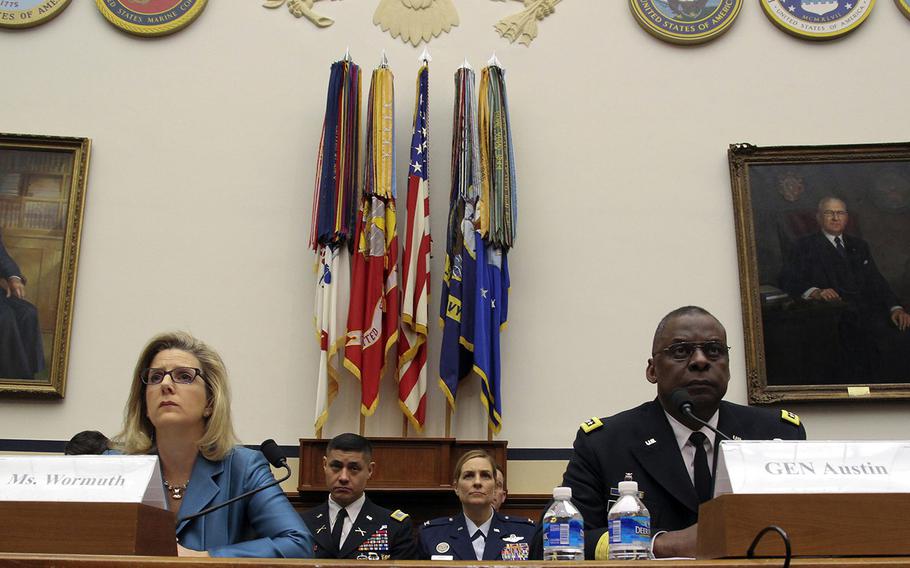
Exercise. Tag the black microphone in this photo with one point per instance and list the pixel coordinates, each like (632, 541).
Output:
(272, 453)
(683, 402)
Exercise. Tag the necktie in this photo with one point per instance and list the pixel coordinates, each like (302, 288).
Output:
(702, 473)
(839, 245)
(478, 541)
(336, 530)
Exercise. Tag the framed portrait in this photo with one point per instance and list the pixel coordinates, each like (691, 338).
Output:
(822, 237)
(42, 192)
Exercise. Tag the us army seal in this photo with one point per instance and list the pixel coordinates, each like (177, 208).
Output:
(150, 17)
(28, 13)
(685, 21)
(817, 19)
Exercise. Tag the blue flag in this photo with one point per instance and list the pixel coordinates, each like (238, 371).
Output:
(491, 297)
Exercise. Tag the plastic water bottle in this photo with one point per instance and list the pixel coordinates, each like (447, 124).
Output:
(629, 524)
(563, 528)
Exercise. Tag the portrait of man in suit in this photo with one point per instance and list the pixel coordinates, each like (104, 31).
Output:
(833, 267)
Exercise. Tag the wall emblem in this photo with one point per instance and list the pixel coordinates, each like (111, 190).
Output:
(150, 17)
(904, 5)
(817, 19)
(28, 13)
(686, 21)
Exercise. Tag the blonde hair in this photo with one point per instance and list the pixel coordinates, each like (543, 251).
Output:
(469, 455)
(138, 434)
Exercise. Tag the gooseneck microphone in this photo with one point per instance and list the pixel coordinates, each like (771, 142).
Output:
(272, 453)
(683, 402)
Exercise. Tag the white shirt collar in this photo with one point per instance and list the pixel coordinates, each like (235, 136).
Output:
(484, 528)
(682, 432)
(831, 237)
(353, 509)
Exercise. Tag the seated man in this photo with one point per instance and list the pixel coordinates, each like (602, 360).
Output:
(834, 267)
(668, 454)
(349, 525)
(501, 491)
(21, 350)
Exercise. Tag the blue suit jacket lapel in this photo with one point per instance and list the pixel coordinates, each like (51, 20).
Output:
(202, 488)
(460, 541)
(492, 548)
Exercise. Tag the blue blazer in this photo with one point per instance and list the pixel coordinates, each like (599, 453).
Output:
(264, 525)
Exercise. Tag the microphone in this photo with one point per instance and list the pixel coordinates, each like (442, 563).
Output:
(683, 402)
(272, 453)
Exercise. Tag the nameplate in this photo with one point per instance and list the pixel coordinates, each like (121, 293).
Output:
(813, 467)
(94, 479)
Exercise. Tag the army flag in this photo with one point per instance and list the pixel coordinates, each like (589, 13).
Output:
(333, 225)
(374, 305)
(456, 314)
(415, 283)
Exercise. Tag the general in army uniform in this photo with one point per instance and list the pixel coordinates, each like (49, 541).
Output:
(479, 532)
(349, 525)
(667, 453)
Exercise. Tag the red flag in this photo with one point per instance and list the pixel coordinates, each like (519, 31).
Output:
(373, 314)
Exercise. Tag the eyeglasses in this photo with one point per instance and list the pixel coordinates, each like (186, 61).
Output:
(684, 350)
(833, 214)
(180, 375)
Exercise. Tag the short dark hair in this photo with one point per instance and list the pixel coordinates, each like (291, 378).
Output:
(349, 442)
(683, 311)
(87, 442)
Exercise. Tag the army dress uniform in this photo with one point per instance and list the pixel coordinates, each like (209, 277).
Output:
(447, 538)
(640, 441)
(376, 534)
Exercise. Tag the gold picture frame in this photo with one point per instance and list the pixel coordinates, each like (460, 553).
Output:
(42, 195)
(802, 345)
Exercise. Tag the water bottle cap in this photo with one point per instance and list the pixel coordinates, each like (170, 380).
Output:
(628, 487)
(562, 492)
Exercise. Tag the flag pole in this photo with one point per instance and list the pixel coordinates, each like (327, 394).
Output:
(404, 426)
(363, 424)
(448, 420)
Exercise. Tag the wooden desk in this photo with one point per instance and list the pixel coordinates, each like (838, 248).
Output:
(60, 561)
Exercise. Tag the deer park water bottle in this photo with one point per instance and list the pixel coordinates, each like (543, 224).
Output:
(563, 528)
(629, 524)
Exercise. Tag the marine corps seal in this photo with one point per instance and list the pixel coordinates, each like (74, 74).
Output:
(685, 21)
(817, 19)
(150, 17)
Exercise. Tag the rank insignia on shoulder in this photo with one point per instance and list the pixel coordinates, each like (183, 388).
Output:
(399, 515)
(788, 416)
(591, 424)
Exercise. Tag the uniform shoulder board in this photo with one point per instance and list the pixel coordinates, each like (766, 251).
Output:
(788, 416)
(441, 521)
(591, 424)
(521, 520)
(399, 515)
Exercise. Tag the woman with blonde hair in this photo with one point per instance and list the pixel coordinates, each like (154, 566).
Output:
(180, 409)
(479, 532)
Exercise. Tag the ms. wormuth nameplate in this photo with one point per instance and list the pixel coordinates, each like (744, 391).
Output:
(100, 479)
(813, 467)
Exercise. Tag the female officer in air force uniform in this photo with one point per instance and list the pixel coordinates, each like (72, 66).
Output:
(479, 532)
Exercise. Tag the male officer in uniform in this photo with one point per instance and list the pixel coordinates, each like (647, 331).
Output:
(501, 492)
(668, 454)
(349, 525)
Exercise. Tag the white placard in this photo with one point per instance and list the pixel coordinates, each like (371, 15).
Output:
(97, 479)
(780, 466)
